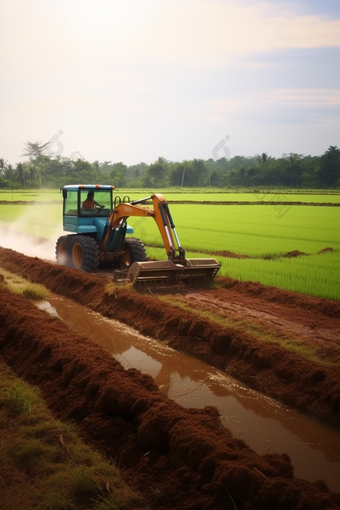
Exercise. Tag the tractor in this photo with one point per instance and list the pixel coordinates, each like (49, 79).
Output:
(99, 229)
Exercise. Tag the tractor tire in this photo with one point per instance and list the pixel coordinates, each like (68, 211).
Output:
(134, 251)
(84, 253)
(63, 250)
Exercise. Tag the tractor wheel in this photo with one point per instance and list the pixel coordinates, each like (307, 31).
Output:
(84, 253)
(134, 251)
(63, 250)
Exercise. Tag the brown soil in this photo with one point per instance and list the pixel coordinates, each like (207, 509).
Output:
(325, 250)
(179, 458)
(294, 253)
(229, 254)
(290, 254)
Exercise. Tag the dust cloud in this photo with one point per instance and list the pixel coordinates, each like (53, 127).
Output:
(28, 233)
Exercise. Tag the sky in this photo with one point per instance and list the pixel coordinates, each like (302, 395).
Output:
(132, 80)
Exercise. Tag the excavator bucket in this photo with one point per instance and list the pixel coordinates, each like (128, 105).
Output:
(168, 271)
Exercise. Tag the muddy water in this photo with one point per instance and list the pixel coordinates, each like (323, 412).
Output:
(264, 424)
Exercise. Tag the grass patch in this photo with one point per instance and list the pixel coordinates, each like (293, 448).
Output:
(33, 291)
(54, 469)
(20, 398)
(111, 288)
(19, 285)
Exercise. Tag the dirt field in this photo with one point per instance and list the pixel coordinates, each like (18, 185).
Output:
(180, 458)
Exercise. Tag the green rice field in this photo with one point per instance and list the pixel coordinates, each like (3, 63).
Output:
(253, 230)
(199, 195)
(257, 231)
(222, 196)
(315, 275)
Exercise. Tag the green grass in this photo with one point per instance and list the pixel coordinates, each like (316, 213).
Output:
(18, 285)
(20, 397)
(250, 230)
(218, 195)
(203, 194)
(315, 275)
(43, 463)
(34, 291)
(36, 195)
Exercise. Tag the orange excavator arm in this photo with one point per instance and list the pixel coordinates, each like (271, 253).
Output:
(160, 213)
(176, 268)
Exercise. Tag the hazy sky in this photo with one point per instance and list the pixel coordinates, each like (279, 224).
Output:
(131, 80)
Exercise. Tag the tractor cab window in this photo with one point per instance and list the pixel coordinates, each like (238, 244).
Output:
(71, 203)
(95, 203)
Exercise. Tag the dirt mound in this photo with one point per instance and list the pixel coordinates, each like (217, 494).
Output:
(294, 299)
(294, 253)
(300, 383)
(230, 254)
(178, 458)
(325, 250)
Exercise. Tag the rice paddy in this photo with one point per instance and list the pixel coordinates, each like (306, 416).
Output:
(252, 230)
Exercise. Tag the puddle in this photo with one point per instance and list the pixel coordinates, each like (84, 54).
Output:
(264, 424)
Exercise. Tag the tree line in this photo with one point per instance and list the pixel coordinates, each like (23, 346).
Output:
(41, 170)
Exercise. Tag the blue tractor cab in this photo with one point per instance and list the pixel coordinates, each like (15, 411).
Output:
(87, 220)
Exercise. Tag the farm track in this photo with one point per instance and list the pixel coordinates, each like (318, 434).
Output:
(178, 458)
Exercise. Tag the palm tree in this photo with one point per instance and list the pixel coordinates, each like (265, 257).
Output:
(9, 172)
(34, 149)
(21, 173)
(161, 160)
(263, 158)
(293, 169)
(3, 166)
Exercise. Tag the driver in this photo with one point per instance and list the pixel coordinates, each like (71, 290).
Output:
(90, 202)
